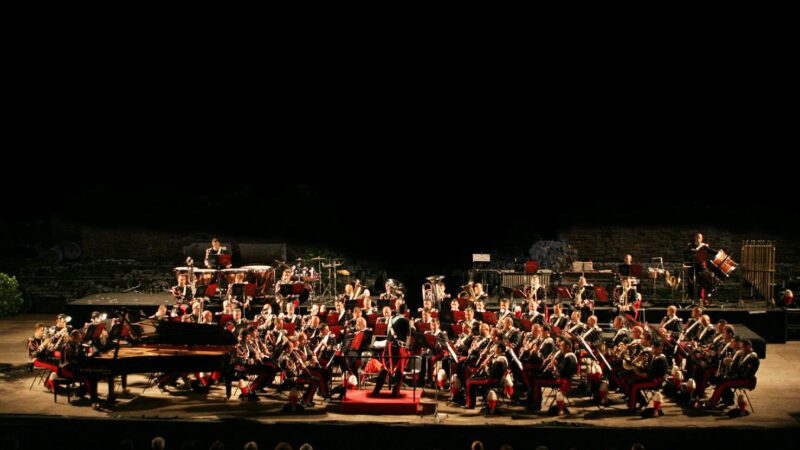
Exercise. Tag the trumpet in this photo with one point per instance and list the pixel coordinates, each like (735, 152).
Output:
(725, 364)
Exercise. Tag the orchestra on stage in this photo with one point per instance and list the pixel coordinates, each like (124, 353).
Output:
(260, 328)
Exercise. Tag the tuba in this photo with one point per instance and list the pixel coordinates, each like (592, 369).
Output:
(471, 291)
(468, 292)
(428, 293)
(638, 364)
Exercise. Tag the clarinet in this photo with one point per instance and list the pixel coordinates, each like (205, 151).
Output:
(551, 363)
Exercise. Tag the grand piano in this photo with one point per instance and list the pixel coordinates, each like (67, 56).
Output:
(162, 346)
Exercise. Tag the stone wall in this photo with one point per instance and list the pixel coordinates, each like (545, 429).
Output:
(607, 246)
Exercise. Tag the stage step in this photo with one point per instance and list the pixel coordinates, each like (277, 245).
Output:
(793, 324)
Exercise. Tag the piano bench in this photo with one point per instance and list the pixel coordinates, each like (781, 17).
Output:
(67, 384)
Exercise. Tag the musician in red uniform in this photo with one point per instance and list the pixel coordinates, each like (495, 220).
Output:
(699, 281)
(652, 378)
(40, 352)
(254, 358)
(182, 291)
(742, 374)
(342, 315)
(74, 353)
(386, 317)
(490, 373)
(439, 353)
(311, 371)
(352, 346)
(558, 371)
(469, 320)
(788, 299)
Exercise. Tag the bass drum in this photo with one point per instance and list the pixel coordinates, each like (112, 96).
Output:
(206, 277)
(233, 276)
(262, 276)
(723, 264)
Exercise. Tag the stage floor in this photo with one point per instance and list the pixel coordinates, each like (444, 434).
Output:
(776, 400)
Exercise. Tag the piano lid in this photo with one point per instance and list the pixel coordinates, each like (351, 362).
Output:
(154, 331)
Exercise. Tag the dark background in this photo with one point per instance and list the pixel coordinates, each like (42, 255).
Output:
(410, 155)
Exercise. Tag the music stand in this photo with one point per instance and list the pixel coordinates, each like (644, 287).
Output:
(384, 302)
(90, 331)
(624, 270)
(273, 303)
(285, 290)
(224, 259)
(200, 290)
(237, 290)
(213, 260)
(446, 317)
(563, 293)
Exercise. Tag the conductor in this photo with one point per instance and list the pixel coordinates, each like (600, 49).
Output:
(395, 354)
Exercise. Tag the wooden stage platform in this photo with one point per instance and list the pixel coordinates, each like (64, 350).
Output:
(146, 411)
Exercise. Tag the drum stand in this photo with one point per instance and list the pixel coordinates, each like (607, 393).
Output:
(684, 282)
(319, 274)
(330, 289)
(327, 292)
(437, 417)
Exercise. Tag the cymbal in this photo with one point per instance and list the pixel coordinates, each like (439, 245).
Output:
(343, 272)
(318, 258)
(435, 278)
